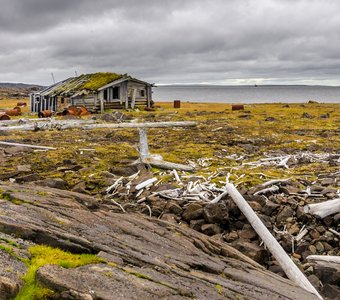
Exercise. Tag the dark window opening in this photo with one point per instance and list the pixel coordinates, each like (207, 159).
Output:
(62, 101)
(105, 94)
(115, 92)
(142, 93)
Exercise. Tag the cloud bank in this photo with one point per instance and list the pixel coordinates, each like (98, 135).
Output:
(188, 41)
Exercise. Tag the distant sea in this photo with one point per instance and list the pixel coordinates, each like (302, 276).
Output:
(247, 94)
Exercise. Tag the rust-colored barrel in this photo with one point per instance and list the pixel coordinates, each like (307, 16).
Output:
(45, 114)
(83, 111)
(237, 107)
(72, 110)
(4, 117)
(177, 103)
(14, 112)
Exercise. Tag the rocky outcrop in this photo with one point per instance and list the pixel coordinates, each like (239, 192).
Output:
(147, 258)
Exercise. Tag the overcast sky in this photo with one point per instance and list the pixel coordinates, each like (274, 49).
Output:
(172, 41)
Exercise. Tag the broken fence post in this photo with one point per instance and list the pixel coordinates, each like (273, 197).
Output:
(288, 266)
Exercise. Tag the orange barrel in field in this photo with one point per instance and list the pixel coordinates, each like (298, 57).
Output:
(45, 114)
(16, 111)
(4, 117)
(83, 111)
(177, 103)
(237, 107)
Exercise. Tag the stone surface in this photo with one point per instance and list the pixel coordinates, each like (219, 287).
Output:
(215, 213)
(252, 250)
(284, 214)
(11, 271)
(193, 211)
(211, 229)
(57, 183)
(157, 259)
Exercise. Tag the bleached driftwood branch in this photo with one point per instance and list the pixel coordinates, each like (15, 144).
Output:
(288, 266)
(156, 160)
(271, 189)
(327, 258)
(27, 145)
(166, 165)
(323, 209)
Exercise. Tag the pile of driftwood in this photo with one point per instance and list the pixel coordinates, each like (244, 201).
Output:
(294, 220)
(285, 161)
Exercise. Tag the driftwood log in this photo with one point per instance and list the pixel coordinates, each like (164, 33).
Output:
(87, 125)
(327, 258)
(323, 209)
(27, 145)
(288, 266)
(156, 160)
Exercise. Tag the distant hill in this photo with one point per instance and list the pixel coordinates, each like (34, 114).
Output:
(17, 90)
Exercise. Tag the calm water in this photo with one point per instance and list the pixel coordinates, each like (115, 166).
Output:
(247, 94)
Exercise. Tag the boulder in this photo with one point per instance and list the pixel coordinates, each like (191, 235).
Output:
(251, 250)
(284, 214)
(215, 213)
(57, 183)
(211, 229)
(192, 212)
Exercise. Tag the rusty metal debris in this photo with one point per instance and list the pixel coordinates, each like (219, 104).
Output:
(237, 107)
(45, 114)
(74, 111)
(4, 116)
(16, 111)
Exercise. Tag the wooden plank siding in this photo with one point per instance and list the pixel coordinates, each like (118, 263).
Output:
(117, 95)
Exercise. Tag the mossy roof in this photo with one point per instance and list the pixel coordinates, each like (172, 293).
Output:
(82, 84)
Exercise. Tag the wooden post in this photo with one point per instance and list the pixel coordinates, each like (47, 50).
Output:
(288, 266)
(102, 105)
(133, 101)
(148, 95)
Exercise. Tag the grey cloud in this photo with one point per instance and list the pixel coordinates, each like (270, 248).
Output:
(171, 41)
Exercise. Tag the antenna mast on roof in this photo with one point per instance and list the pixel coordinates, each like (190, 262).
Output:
(75, 72)
(53, 77)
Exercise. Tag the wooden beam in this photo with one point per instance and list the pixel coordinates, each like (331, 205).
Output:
(83, 124)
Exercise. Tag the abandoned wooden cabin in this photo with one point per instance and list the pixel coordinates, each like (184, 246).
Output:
(97, 92)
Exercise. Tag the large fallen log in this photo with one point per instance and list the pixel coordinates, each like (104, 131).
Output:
(83, 124)
(288, 266)
(323, 209)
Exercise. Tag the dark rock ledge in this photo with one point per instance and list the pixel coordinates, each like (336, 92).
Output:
(150, 258)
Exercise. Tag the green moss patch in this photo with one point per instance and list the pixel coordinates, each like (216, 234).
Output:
(43, 255)
(97, 80)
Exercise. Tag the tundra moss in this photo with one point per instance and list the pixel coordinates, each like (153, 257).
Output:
(42, 255)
